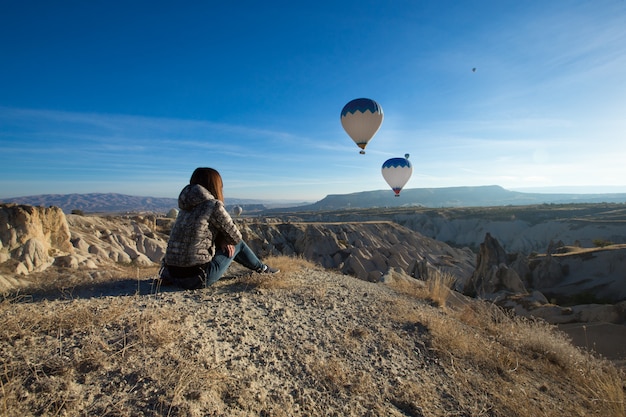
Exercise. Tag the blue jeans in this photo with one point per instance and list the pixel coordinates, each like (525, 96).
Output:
(220, 262)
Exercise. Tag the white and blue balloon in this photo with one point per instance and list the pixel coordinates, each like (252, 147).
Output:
(397, 171)
(361, 118)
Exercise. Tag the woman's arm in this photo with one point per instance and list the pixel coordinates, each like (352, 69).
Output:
(228, 232)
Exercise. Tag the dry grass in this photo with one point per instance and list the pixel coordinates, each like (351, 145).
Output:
(509, 359)
(439, 287)
(297, 344)
(436, 288)
(287, 265)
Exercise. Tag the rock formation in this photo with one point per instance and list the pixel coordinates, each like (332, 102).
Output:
(492, 274)
(589, 282)
(32, 236)
(33, 239)
(367, 250)
(518, 229)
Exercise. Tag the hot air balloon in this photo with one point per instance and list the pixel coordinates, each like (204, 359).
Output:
(361, 118)
(397, 171)
(237, 210)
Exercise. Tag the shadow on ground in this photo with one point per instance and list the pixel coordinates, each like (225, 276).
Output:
(133, 287)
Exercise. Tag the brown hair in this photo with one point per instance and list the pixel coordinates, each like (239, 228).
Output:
(209, 179)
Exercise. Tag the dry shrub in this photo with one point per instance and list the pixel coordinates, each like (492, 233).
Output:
(155, 328)
(339, 378)
(437, 288)
(533, 336)
(118, 355)
(287, 265)
(497, 341)
(54, 350)
(410, 397)
(410, 287)
(499, 357)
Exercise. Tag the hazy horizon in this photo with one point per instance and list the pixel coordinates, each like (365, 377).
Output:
(533, 190)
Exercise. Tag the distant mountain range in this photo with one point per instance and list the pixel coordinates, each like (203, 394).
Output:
(482, 196)
(98, 202)
(118, 203)
(427, 197)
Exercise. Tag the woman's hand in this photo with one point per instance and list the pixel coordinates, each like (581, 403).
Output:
(229, 250)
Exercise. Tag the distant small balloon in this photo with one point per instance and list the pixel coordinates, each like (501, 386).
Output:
(237, 210)
(473, 69)
(172, 214)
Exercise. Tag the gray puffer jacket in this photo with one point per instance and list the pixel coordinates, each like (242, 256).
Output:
(201, 223)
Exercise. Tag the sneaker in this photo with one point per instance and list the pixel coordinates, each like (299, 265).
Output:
(266, 269)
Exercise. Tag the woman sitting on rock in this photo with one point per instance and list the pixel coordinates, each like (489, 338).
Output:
(204, 239)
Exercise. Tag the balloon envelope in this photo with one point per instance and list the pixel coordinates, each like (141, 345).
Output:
(361, 118)
(397, 171)
(237, 210)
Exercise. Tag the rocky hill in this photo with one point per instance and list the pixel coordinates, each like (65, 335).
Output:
(98, 202)
(308, 342)
(85, 330)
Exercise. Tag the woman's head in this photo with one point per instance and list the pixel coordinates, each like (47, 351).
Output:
(209, 179)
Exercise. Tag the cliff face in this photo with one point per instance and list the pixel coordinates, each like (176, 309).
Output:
(33, 239)
(32, 236)
(522, 229)
(515, 235)
(367, 250)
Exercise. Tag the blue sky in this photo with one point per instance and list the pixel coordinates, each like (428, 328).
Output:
(131, 96)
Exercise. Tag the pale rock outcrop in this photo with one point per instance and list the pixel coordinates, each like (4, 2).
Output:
(33, 254)
(80, 244)
(514, 235)
(172, 214)
(153, 249)
(366, 250)
(582, 313)
(123, 240)
(546, 272)
(66, 262)
(370, 250)
(32, 236)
